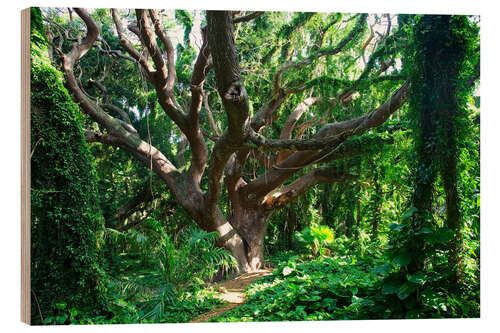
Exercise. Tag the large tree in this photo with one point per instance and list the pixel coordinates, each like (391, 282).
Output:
(290, 165)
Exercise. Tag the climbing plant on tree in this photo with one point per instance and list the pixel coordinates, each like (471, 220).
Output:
(427, 249)
(66, 221)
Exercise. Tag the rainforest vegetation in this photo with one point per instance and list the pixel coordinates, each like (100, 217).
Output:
(330, 159)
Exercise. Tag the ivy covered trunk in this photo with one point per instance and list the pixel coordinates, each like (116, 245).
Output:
(436, 95)
(66, 221)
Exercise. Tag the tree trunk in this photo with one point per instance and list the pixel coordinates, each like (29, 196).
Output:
(250, 225)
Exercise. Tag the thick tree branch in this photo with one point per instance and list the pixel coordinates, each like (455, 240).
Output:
(168, 48)
(256, 140)
(163, 80)
(268, 114)
(69, 59)
(194, 133)
(288, 127)
(109, 139)
(125, 43)
(314, 177)
(333, 134)
(373, 119)
(148, 39)
(117, 135)
(247, 18)
(119, 112)
(131, 206)
(158, 77)
(301, 129)
(234, 97)
(336, 132)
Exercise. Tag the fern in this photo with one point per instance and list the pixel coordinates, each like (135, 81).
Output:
(181, 265)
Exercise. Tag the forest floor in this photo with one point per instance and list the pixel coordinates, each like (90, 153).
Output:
(232, 292)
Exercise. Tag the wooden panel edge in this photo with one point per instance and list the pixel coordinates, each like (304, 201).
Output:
(25, 168)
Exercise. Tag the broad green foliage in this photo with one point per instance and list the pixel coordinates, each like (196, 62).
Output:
(315, 238)
(347, 286)
(196, 258)
(183, 267)
(125, 311)
(332, 288)
(177, 273)
(66, 220)
(158, 280)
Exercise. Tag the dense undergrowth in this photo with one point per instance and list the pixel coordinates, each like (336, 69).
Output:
(322, 280)
(158, 279)
(351, 284)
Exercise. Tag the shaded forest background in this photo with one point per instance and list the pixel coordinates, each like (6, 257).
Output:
(398, 237)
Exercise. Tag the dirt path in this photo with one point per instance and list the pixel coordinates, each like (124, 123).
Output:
(232, 292)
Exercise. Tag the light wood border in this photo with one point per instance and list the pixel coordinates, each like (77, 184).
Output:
(25, 168)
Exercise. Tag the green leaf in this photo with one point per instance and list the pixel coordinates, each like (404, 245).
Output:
(62, 318)
(329, 303)
(424, 230)
(73, 312)
(61, 305)
(390, 287)
(396, 226)
(403, 259)
(309, 298)
(405, 290)
(300, 308)
(383, 269)
(444, 235)
(418, 278)
(409, 213)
